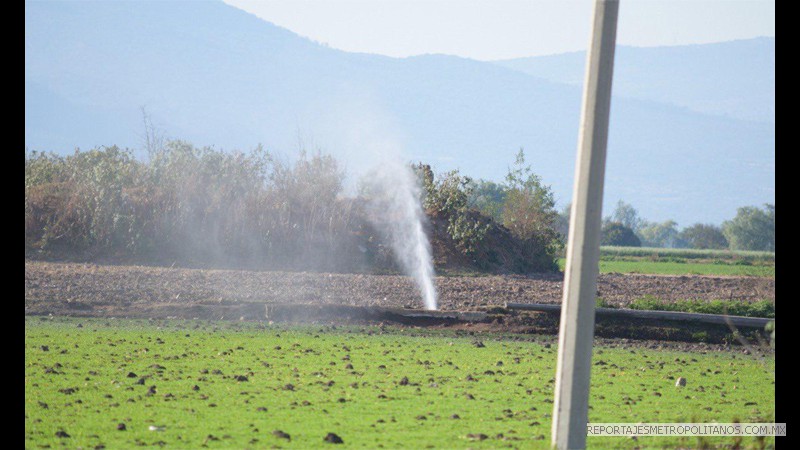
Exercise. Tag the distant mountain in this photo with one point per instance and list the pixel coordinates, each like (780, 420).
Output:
(735, 78)
(211, 74)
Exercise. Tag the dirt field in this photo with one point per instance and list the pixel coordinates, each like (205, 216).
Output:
(87, 286)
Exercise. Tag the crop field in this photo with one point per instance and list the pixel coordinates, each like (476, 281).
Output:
(668, 261)
(94, 383)
(684, 268)
(687, 253)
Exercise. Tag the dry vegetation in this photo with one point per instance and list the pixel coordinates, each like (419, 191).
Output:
(186, 206)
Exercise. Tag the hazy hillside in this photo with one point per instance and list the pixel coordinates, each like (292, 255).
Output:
(735, 79)
(214, 75)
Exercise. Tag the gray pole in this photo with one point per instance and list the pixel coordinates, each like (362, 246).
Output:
(571, 406)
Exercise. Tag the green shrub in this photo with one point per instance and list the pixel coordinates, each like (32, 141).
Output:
(448, 197)
(762, 308)
(618, 235)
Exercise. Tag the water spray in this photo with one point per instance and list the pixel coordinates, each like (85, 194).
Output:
(395, 199)
(372, 144)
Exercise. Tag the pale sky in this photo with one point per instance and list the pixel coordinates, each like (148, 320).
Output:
(498, 29)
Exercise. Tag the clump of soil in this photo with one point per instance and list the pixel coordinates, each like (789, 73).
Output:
(332, 438)
(281, 435)
(477, 436)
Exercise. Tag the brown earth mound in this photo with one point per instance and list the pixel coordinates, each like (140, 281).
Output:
(499, 252)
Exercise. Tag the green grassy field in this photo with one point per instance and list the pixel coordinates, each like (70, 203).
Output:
(689, 253)
(669, 261)
(678, 268)
(233, 384)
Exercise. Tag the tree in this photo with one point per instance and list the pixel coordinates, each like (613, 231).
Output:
(704, 236)
(562, 222)
(659, 234)
(529, 207)
(487, 197)
(626, 215)
(529, 212)
(751, 229)
(618, 235)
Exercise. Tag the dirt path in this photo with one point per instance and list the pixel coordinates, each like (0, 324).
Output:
(89, 285)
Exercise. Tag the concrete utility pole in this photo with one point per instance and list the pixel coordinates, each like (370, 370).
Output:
(576, 333)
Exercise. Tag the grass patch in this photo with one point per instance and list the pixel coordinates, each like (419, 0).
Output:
(681, 268)
(350, 381)
(685, 253)
(762, 308)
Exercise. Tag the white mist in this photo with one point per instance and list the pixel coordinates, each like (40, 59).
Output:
(360, 131)
(395, 203)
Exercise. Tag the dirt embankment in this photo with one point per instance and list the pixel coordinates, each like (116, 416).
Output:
(78, 286)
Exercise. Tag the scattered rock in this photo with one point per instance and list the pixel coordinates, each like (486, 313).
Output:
(404, 381)
(680, 382)
(62, 434)
(240, 378)
(121, 427)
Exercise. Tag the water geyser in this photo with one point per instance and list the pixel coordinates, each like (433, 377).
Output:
(395, 199)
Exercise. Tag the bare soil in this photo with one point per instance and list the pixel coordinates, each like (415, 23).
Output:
(90, 290)
(90, 285)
